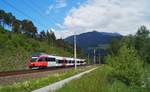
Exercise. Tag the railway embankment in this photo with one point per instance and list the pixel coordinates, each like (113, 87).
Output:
(34, 81)
(16, 49)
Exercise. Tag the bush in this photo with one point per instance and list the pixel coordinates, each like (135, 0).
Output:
(127, 66)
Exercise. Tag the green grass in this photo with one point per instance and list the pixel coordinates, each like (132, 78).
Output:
(98, 81)
(33, 84)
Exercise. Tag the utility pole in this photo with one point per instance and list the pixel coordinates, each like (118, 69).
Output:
(99, 58)
(75, 53)
(88, 59)
(94, 59)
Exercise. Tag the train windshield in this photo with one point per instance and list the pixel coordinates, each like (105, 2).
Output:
(34, 59)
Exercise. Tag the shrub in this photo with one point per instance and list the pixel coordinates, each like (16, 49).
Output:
(127, 66)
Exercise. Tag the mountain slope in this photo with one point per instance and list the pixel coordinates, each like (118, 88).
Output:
(94, 39)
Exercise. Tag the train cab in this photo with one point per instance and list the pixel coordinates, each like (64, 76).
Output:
(42, 61)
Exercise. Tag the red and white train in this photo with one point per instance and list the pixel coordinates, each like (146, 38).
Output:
(44, 61)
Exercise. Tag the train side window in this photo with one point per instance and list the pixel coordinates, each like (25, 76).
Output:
(51, 59)
(69, 61)
(60, 61)
(66, 61)
(42, 59)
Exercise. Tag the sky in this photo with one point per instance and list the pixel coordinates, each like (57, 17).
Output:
(68, 17)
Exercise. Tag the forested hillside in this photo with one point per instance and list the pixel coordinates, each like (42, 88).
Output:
(129, 59)
(99, 41)
(93, 39)
(22, 40)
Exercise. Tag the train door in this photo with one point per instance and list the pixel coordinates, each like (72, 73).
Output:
(64, 62)
(51, 61)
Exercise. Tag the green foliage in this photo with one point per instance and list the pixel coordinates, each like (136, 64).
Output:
(114, 46)
(28, 39)
(142, 43)
(127, 65)
(16, 26)
(130, 63)
(145, 52)
(97, 81)
(28, 27)
(16, 49)
(5, 18)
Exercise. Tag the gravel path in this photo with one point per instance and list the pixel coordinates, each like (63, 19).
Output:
(59, 84)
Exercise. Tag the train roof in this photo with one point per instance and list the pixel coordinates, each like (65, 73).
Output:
(38, 54)
(53, 56)
(68, 58)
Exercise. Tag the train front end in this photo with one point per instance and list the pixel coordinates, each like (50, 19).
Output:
(32, 62)
(37, 62)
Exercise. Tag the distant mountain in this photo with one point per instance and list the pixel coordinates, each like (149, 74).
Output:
(94, 39)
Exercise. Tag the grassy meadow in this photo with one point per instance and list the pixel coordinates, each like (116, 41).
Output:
(99, 81)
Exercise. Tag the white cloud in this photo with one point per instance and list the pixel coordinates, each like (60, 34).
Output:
(57, 5)
(62, 34)
(122, 16)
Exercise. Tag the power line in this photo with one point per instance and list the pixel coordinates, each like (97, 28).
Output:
(88, 58)
(99, 58)
(16, 9)
(35, 10)
(40, 8)
(24, 14)
(94, 59)
(37, 5)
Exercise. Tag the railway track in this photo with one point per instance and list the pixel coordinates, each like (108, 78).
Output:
(11, 73)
